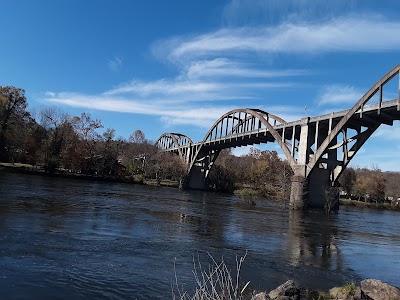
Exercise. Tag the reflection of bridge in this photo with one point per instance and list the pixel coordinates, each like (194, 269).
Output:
(317, 148)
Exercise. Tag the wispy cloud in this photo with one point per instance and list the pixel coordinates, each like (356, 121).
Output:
(239, 12)
(177, 114)
(345, 34)
(214, 70)
(224, 67)
(198, 95)
(115, 64)
(197, 114)
(390, 133)
(338, 94)
(205, 81)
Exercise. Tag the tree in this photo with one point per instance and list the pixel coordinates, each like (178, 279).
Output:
(222, 176)
(109, 150)
(347, 180)
(377, 185)
(57, 125)
(370, 184)
(163, 165)
(269, 174)
(137, 151)
(138, 137)
(221, 179)
(86, 128)
(392, 180)
(12, 114)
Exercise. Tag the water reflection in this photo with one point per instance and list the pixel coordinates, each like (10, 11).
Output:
(312, 240)
(102, 240)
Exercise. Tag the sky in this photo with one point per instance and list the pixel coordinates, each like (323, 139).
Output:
(178, 65)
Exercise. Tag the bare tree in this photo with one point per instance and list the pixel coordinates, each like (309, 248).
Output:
(331, 199)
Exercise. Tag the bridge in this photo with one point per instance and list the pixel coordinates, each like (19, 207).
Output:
(318, 149)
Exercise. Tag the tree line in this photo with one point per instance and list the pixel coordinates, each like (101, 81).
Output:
(58, 142)
(370, 185)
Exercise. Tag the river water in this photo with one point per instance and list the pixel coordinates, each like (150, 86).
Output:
(66, 238)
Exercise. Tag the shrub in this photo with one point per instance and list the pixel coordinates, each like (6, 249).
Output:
(215, 283)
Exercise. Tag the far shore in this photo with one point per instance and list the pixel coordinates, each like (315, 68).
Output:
(138, 179)
(379, 205)
(39, 170)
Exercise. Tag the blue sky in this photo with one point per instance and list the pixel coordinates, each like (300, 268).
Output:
(176, 66)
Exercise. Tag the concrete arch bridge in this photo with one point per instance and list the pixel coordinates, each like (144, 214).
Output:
(317, 148)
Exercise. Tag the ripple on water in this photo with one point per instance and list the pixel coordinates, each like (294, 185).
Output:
(76, 239)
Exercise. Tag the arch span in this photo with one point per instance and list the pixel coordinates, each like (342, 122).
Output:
(317, 148)
(175, 142)
(343, 124)
(240, 123)
(328, 143)
(238, 127)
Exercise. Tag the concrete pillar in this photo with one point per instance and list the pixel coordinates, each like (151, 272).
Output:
(319, 183)
(198, 176)
(197, 179)
(304, 143)
(297, 192)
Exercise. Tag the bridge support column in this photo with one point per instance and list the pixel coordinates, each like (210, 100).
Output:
(313, 192)
(320, 194)
(298, 192)
(198, 176)
(197, 179)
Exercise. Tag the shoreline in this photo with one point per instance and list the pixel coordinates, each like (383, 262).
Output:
(372, 289)
(138, 179)
(37, 170)
(362, 204)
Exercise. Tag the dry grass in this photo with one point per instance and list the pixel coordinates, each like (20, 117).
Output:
(215, 282)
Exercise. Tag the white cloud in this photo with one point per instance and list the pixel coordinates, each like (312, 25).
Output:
(165, 87)
(339, 94)
(115, 64)
(197, 114)
(223, 67)
(50, 94)
(177, 114)
(241, 151)
(345, 34)
(187, 90)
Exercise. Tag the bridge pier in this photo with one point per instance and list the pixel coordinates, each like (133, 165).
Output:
(198, 175)
(312, 192)
(297, 192)
(197, 179)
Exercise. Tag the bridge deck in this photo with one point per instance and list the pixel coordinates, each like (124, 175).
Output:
(384, 113)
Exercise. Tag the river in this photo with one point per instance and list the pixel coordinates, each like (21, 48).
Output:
(76, 239)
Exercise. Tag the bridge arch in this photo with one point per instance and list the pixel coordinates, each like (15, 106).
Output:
(361, 137)
(233, 124)
(174, 142)
(312, 145)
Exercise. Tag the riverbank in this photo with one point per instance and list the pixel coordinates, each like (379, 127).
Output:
(369, 289)
(220, 280)
(39, 170)
(385, 205)
(246, 193)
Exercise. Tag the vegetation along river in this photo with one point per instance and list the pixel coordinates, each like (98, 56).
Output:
(66, 238)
